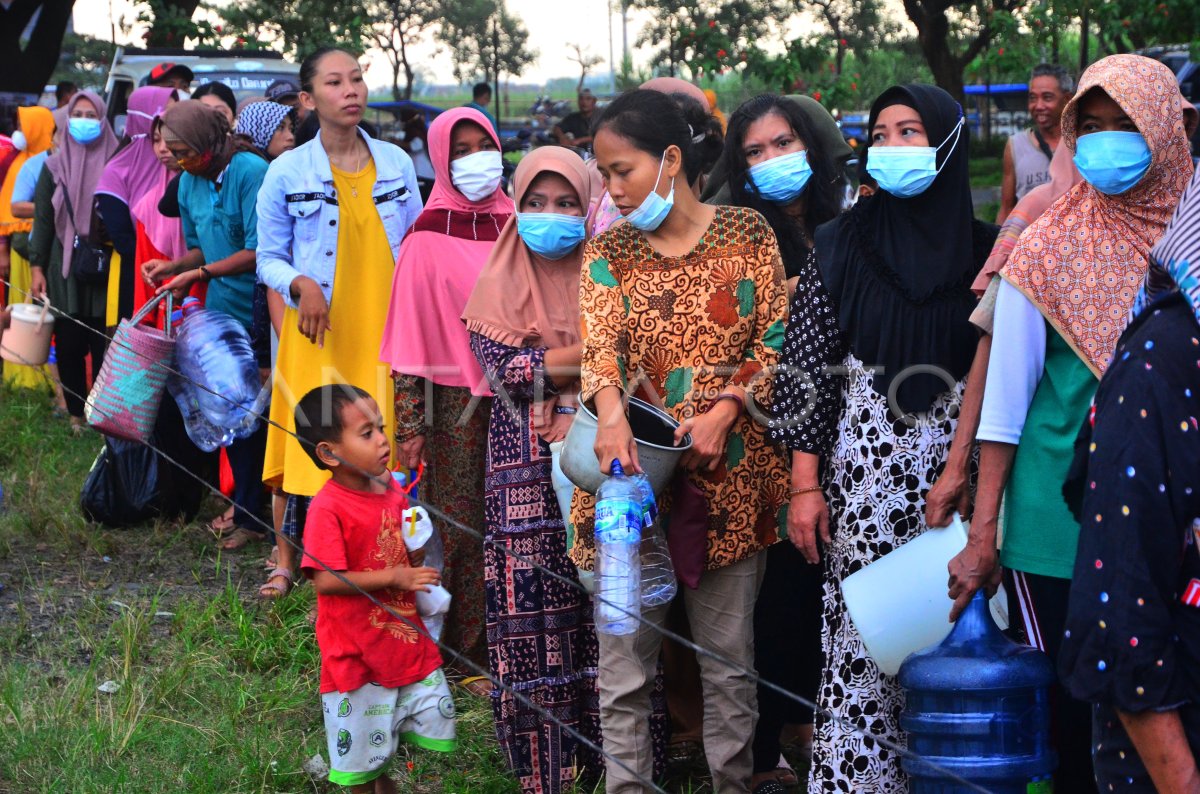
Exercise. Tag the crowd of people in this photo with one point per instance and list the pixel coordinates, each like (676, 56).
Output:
(855, 356)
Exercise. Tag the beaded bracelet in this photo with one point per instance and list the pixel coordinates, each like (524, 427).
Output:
(801, 491)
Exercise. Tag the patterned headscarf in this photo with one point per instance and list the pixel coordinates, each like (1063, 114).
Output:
(1082, 262)
(258, 122)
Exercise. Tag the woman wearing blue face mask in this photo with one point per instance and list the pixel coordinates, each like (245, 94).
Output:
(63, 208)
(523, 316)
(684, 305)
(898, 267)
(783, 158)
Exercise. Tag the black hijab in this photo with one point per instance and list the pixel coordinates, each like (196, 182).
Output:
(900, 269)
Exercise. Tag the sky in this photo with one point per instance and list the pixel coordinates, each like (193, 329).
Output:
(553, 25)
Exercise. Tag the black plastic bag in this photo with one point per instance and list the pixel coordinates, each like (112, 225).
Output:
(130, 483)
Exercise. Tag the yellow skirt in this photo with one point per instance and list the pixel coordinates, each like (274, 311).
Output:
(16, 375)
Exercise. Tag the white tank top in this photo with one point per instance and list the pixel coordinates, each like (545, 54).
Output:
(1030, 163)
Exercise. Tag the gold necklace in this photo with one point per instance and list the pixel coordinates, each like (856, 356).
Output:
(357, 170)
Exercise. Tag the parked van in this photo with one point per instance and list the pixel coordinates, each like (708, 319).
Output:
(247, 72)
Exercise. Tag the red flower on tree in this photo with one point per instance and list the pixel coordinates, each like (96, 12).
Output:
(721, 53)
(712, 23)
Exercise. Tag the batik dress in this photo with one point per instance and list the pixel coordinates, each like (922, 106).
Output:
(541, 642)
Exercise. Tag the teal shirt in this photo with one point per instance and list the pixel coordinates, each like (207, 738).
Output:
(485, 112)
(221, 221)
(1040, 534)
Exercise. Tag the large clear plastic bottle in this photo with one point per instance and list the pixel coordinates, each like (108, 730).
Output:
(214, 351)
(203, 433)
(618, 564)
(659, 584)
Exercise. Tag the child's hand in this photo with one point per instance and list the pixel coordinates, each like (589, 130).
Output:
(416, 579)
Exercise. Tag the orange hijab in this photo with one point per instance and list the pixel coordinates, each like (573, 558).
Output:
(521, 299)
(1082, 262)
(37, 124)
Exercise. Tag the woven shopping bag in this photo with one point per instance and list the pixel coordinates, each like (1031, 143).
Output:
(125, 398)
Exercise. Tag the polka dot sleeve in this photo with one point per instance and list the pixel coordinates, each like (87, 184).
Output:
(808, 383)
(1128, 603)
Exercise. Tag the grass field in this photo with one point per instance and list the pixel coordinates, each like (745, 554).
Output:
(217, 690)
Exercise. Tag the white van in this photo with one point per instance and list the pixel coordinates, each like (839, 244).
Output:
(247, 73)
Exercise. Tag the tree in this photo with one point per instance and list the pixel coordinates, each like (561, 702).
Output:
(171, 22)
(396, 26)
(858, 26)
(288, 25)
(85, 61)
(703, 36)
(484, 39)
(27, 69)
(585, 61)
(975, 24)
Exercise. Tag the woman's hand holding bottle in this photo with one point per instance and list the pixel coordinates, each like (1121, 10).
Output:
(614, 438)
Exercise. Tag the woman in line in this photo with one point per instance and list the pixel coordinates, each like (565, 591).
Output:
(268, 126)
(1132, 645)
(132, 172)
(35, 128)
(63, 208)
(219, 97)
(429, 350)
(218, 191)
(776, 164)
(524, 321)
(331, 216)
(898, 267)
(684, 303)
(1068, 289)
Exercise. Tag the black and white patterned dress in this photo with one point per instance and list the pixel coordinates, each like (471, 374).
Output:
(876, 479)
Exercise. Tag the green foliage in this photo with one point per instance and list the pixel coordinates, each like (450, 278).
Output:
(695, 38)
(288, 25)
(484, 39)
(84, 61)
(171, 23)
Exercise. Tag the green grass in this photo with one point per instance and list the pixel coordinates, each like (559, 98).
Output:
(218, 690)
(986, 171)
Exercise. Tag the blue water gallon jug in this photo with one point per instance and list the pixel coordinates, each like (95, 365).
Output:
(977, 705)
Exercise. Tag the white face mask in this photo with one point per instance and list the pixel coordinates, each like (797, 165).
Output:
(477, 175)
(18, 139)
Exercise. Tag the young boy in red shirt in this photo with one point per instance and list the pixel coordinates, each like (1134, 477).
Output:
(381, 677)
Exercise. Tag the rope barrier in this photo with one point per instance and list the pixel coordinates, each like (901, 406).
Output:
(472, 532)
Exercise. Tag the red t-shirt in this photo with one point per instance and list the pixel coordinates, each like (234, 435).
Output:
(360, 642)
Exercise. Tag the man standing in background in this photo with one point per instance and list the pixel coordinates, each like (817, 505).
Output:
(1027, 154)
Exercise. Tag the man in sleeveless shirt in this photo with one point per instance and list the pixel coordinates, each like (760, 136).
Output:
(1027, 155)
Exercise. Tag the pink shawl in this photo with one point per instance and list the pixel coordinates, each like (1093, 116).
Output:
(440, 261)
(135, 168)
(165, 234)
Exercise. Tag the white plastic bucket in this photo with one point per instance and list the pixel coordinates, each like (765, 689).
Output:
(899, 603)
(27, 340)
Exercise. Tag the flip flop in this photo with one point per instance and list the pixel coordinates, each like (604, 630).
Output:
(478, 685)
(272, 590)
(222, 525)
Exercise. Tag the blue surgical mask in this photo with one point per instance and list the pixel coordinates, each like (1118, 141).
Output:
(84, 130)
(1113, 162)
(549, 234)
(907, 171)
(781, 179)
(654, 209)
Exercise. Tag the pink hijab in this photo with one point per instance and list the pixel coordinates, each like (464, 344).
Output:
(440, 260)
(134, 169)
(165, 234)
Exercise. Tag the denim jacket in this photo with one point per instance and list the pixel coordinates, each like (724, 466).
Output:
(298, 213)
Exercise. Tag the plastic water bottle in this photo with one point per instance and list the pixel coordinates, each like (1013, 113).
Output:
(658, 574)
(618, 563)
(214, 350)
(203, 433)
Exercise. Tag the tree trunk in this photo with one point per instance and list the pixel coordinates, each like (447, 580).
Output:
(27, 71)
(396, 93)
(408, 70)
(933, 34)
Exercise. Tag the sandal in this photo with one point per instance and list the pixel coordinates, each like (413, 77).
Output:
(77, 426)
(785, 774)
(478, 685)
(222, 524)
(238, 538)
(273, 590)
(272, 560)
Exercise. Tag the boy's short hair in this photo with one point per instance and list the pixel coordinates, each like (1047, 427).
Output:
(319, 416)
(480, 89)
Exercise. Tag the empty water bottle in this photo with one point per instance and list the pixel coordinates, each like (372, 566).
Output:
(214, 352)
(618, 564)
(658, 574)
(203, 433)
